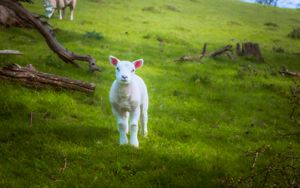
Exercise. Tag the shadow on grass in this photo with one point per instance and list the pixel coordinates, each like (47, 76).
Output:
(65, 36)
(156, 167)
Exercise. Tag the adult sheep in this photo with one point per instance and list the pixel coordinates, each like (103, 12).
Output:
(129, 99)
(52, 5)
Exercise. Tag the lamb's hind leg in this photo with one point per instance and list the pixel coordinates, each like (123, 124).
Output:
(127, 117)
(144, 120)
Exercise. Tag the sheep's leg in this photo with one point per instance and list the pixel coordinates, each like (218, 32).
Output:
(51, 14)
(122, 121)
(134, 119)
(60, 13)
(72, 13)
(144, 120)
(63, 12)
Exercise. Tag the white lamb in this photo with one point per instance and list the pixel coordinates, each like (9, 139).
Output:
(129, 98)
(52, 5)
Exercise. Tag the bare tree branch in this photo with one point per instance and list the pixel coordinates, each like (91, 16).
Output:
(48, 34)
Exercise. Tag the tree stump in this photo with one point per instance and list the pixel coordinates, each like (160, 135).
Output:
(250, 50)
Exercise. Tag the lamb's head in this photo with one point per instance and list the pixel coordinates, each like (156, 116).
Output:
(125, 69)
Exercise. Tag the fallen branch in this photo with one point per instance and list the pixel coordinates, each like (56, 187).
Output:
(65, 166)
(189, 58)
(221, 51)
(29, 76)
(255, 159)
(253, 169)
(48, 34)
(291, 134)
(225, 50)
(203, 53)
(290, 73)
(10, 52)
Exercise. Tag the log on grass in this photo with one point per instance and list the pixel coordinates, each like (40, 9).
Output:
(10, 52)
(227, 50)
(29, 76)
(189, 58)
(290, 73)
(221, 51)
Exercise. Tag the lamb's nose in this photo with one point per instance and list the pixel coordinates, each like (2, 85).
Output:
(124, 77)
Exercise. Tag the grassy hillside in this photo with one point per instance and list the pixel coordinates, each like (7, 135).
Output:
(204, 119)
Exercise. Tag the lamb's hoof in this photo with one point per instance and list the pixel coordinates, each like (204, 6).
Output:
(134, 143)
(144, 134)
(123, 141)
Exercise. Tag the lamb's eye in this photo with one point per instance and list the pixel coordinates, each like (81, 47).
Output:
(118, 69)
(132, 70)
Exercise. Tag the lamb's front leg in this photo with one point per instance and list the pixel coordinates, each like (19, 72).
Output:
(134, 119)
(122, 121)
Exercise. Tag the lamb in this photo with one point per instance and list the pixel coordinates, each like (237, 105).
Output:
(129, 98)
(52, 5)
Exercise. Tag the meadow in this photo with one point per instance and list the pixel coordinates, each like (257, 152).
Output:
(214, 123)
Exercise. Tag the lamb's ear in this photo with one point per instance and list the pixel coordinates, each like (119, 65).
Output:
(113, 60)
(138, 63)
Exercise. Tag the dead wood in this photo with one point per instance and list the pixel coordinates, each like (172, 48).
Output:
(62, 169)
(10, 52)
(29, 76)
(296, 53)
(9, 18)
(238, 50)
(189, 58)
(251, 50)
(48, 34)
(203, 53)
(227, 50)
(221, 51)
(290, 73)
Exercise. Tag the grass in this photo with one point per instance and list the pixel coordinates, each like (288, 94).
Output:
(203, 118)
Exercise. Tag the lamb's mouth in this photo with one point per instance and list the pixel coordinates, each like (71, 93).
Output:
(124, 81)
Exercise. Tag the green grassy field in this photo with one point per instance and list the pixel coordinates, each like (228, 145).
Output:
(204, 118)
